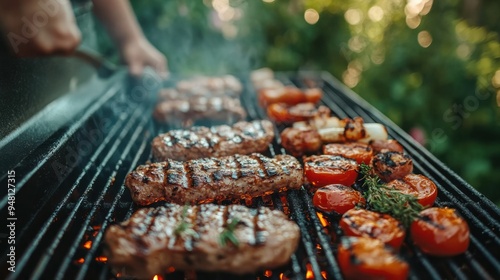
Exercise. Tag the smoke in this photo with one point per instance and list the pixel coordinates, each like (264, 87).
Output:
(199, 39)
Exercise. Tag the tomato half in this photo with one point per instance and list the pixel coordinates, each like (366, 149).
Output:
(324, 170)
(337, 198)
(290, 95)
(417, 185)
(367, 258)
(440, 232)
(359, 152)
(283, 113)
(313, 95)
(361, 222)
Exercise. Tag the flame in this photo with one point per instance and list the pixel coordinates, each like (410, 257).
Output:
(322, 219)
(309, 272)
(101, 259)
(268, 273)
(157, 277)
(80, 260)
(87, 244)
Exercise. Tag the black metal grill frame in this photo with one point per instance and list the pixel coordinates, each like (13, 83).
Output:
(62, 215)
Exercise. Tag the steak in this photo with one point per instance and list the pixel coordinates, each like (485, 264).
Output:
(221, 108)
(208, 179)
(208, 237)
(199, 142)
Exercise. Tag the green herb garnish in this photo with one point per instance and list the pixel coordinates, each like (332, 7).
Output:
(403, 207)
(228, 234)
(185, 229)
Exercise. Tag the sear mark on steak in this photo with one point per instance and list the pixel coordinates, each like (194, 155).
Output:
(148, 243)
(199, 142)
(212, 179)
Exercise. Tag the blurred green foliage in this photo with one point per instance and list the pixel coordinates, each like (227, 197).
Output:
(428, 65)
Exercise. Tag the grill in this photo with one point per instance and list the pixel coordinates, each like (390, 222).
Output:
(69, 189)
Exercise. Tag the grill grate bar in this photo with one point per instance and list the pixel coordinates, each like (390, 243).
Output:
(22, 262)
(297, 210)
(98, 238)
(98, 203)
(42, 264)
(61, 141)
(324, 240)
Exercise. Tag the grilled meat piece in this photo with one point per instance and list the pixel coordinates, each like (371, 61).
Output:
(189, 237)
(199, 107)
(301, 141)
(208, 179)
(218, 141)
(392, 165)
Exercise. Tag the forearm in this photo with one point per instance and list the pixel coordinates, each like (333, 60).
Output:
(119, 20)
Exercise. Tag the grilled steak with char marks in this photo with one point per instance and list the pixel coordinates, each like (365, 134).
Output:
(218, 141)
(189, 237)
(208, 179)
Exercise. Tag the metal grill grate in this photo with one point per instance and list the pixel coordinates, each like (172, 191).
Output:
(63, 206)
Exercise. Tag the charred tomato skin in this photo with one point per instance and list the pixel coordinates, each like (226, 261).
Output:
(367, 258)
(324, 170)
(337, 198)
(440, 232)
(359, 152)
(362, 222)
(417, 185)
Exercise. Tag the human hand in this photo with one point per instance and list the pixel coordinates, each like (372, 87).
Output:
(39, 27)
(139, 53)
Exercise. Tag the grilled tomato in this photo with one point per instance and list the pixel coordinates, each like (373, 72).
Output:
(440, 232)
(359, 152)
(368, 258)
(286, 114)
(337, 198)
(361, 222)
(289, 95)
(324, 170)
(417, 185)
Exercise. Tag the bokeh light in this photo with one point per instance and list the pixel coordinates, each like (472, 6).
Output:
(424, 39)
(353, 16)
(376, 13)
(311, 16)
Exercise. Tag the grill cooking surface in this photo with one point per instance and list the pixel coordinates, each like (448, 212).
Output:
(70, 189)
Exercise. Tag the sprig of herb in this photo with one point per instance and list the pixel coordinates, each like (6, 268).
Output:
(228, 234)
(403, 207)
(185, 229)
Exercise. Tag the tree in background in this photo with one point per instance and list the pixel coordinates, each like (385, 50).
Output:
(433, 67)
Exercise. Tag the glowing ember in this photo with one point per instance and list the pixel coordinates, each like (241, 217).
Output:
(309, 272)
(101, 259)
(171, 269)
(268, 273)
(323, 273)
(80, 260)
(87, 244)
(322, 219)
